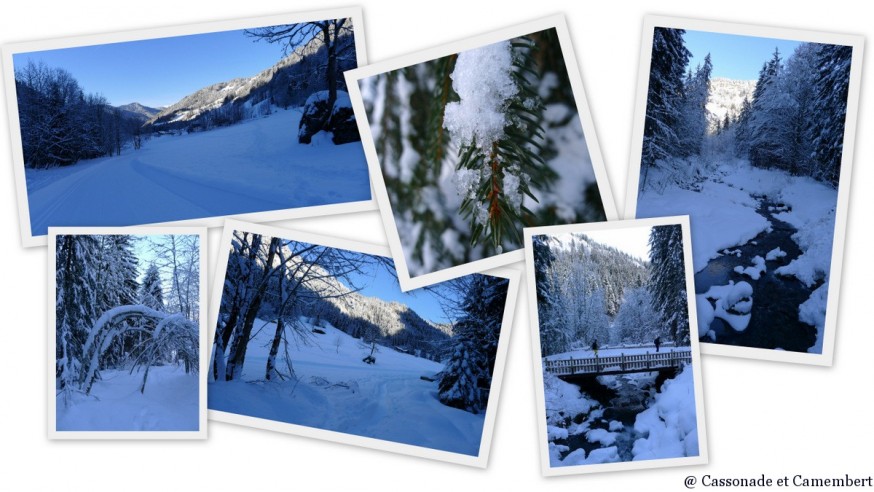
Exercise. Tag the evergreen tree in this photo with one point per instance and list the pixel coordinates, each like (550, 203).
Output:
(552, 338)
(664, 97)
(466, 380)
(76, 303)
(151, 291)
(831, 88)
(692, 126)
(742, 129)
(668, 281)
(767, 124)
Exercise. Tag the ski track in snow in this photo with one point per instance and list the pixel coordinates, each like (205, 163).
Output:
(253, 166)
(339, 392)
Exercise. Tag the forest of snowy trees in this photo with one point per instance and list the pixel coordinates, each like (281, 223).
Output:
(300, 289)
(476, 145)
(61, 124)
(587, 292)
(793, 122)
(116, 312)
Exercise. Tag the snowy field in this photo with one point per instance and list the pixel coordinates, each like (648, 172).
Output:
(724, 211)
(169, 403)
(254, 166)
(338, 392)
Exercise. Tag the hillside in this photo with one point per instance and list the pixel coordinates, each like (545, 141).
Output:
(726, 97)
(287, 83)
(606, 267)
(138, 112)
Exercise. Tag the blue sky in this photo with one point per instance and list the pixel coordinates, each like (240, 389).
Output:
(375, 281)
(733, 56)
(159, 72)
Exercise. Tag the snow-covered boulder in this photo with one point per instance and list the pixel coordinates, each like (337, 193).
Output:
(338, 118)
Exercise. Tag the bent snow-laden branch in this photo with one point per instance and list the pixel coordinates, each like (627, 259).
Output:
(168, 332)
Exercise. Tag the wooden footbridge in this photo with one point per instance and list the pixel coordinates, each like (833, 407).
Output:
(666, 360)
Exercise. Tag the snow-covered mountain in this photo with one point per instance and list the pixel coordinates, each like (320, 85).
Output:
(365, 316)
(726, 97)
(605, 267)
(288, 82)
(136, 111)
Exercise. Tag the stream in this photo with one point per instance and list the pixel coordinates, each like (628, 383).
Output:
(774, 317)
(622, 397)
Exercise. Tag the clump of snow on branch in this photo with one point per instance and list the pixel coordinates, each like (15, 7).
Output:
(482, 78)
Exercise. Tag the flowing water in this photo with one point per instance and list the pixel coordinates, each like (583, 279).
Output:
(774, 317)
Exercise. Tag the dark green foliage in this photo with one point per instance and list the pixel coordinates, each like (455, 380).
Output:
(467, 378)
(831, 88)
(443, 223)
(664, 97)
(668, 281)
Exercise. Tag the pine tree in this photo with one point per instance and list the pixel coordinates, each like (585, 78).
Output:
(76, 303)
(553, 339)
(151, 291)
(692, 126)
(664, 97)
(466, 380)
(831, 88)
(767, 124)
(668, 281)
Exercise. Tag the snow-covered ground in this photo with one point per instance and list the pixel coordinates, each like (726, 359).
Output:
(169, 403)
(723, 210)
(336, 391)
(665, 427)
(670, 424)
(254, 166)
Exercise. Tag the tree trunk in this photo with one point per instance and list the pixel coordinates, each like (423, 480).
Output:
(274, 349)
(241, 341)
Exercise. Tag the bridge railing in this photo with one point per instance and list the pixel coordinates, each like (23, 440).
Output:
(619, 363)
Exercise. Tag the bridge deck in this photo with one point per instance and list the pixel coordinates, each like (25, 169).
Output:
(619, 364)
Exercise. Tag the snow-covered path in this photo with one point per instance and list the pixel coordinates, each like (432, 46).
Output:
(253, 166)
(338, 392)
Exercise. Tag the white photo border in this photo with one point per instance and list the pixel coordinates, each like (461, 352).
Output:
(203, 360)
(547, 470)
(650, 22)
(480, 460)
(28, 240)
(557, 22)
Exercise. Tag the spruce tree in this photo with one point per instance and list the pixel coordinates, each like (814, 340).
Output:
(76, 303)
(831, 88)
(667, 283)
(552, 338)
(466, 380)
(151, 291)
(664, 97)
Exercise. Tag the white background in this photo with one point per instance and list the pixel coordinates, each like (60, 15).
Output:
(771, 418)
